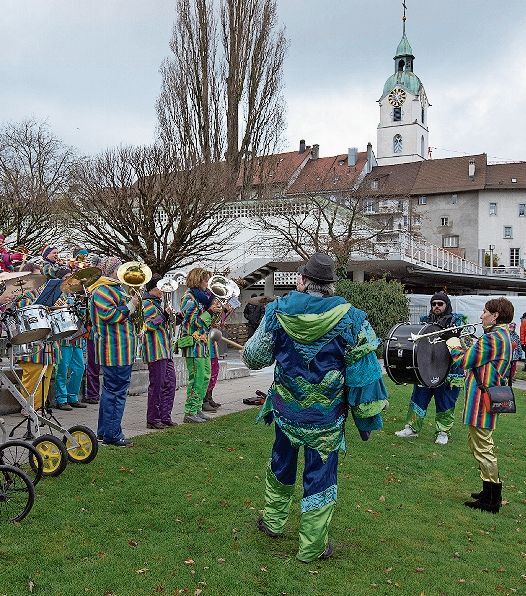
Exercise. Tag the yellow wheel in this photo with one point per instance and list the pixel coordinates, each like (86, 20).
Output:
(88, 445)
(53, 453)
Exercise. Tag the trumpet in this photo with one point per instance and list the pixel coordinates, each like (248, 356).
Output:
(466, 330)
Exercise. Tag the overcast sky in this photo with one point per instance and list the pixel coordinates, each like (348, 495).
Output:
(90, 68)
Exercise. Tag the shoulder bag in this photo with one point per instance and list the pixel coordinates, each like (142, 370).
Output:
(499, 399)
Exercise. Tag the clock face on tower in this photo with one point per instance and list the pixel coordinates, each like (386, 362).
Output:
(397, 97)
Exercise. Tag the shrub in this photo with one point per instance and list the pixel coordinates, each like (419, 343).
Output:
(384, 302)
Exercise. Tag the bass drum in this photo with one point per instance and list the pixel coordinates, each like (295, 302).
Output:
(423, 362)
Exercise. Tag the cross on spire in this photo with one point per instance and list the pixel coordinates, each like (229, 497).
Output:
(404, 17)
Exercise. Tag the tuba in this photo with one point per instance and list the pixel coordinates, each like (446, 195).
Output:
(135, 276)
(224, 289)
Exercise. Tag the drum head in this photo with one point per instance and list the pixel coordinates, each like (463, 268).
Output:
(433, 358)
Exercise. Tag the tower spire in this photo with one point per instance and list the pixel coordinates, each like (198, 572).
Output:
(404, 17)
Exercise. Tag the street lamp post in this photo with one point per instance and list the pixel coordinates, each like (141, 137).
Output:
(491, 249)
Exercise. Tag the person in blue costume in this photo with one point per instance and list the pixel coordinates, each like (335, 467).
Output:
(446, 395)
(326, 367)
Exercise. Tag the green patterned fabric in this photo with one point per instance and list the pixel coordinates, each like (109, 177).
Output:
(278, 498)
(308, 328)
(444, 420)
(314, 533)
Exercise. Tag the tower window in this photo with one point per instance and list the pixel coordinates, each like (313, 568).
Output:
(422, 146)
(423, 115)
(401, 65)
(397, 114)
(397, 144)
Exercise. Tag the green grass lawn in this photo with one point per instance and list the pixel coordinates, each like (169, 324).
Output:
(176, 515)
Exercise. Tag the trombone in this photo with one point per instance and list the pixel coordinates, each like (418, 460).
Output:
(466, 330)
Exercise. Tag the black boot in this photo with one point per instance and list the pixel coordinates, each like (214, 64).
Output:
(210, 400)
(490, 502)
(486, 488)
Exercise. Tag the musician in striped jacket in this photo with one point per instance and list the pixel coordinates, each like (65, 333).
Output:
(110, 312)
(157, 353)
(490, 355)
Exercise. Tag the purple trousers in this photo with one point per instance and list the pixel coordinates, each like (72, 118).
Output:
(214, 373)
(161, 391)
(92, 372)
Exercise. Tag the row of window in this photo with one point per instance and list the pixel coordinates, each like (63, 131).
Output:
(453, 242)
(522, 209)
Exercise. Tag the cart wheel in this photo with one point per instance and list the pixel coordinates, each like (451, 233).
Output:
(88, 445)
(53, 454)
(17, 494)
(22, 455)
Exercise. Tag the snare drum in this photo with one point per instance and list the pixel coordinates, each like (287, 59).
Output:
(27, 324)
(64, 323)
(423, 362)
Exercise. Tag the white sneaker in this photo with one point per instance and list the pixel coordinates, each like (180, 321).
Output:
(406, 433)
(442, 438)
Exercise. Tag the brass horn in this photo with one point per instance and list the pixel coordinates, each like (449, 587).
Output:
(223, 289)
(465, 330)
(135, 275)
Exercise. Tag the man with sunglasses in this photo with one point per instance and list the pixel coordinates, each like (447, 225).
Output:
(447, 394)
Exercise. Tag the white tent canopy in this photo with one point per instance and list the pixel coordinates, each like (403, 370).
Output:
(470, 305)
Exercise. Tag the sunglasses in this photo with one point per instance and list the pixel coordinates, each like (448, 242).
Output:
(438, 303)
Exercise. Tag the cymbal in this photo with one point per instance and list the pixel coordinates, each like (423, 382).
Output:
(80, 279)
(18, 282)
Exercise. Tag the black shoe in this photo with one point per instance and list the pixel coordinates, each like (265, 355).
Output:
(65, 407)
(491, 501)
(263, 528)
(91, 400)
(327, 553)
(120, 443)
(207, 407)
(486, 489)
(169, 423)
(214, 404)
(156, 425)
(78, 404)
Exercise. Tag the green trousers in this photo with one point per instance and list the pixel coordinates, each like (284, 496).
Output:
(198, 379)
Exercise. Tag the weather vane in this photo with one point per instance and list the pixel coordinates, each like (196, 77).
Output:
(404, 17)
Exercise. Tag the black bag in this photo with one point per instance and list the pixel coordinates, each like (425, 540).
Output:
(498, 399)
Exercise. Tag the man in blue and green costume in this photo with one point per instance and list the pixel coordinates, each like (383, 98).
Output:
(326, 367)
(446, 395)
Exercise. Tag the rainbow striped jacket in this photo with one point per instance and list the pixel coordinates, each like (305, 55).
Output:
(115, 337)
(196, 322)
(156, 340)
(491, 354)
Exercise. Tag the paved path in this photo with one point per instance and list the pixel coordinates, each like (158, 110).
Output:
(230, 393)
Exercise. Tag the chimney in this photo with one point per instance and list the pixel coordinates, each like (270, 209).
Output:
(315, 151)
(352, 156)
(302, 146)
(369, 157)
(471, 169)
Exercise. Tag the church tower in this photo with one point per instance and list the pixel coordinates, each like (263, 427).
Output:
(403, 135)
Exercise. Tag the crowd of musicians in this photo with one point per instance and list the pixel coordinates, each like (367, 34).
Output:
(326, 370)
(111, 341)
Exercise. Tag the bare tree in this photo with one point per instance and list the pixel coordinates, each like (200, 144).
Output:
(348, 222)
(35, 172)
(131, 202)
(221, 90)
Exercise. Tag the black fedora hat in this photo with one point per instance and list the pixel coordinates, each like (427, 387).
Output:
(320, 267)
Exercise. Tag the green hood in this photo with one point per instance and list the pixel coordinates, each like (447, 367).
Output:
(308, 328)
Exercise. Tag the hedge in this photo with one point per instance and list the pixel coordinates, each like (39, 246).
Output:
(384, 302)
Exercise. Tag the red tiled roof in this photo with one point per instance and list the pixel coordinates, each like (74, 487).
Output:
(437, 176)
(393, 179)
(501, 175)
(327, 174)
(280, 167)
